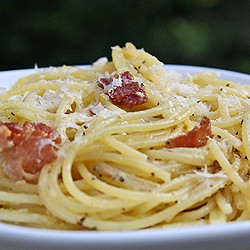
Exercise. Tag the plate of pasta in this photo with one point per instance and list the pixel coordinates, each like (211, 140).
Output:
(129, 153)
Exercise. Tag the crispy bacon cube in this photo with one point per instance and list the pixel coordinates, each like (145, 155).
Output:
(195, 138)
(123, 90)
(25, 150)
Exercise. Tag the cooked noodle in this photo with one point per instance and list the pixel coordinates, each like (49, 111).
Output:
(114, 171)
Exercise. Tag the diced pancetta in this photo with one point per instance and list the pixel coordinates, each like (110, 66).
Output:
(25, 150)
(123, 90)
(195, 138)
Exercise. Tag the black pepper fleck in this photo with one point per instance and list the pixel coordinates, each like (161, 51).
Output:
(121, 179)
(80, 222)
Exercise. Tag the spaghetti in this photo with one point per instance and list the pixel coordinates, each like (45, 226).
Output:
(114, 167)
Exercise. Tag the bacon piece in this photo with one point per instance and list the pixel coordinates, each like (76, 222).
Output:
(123, 90)
(195, 138)
(25, 150)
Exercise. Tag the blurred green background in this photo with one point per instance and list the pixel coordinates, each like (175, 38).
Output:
(214, 33)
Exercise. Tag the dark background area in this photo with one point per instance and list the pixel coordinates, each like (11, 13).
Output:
(214, 33)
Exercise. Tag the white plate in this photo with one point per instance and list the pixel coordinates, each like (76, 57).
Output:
(228, 236)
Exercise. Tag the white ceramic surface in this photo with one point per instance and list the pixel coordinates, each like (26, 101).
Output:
(229, 236)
